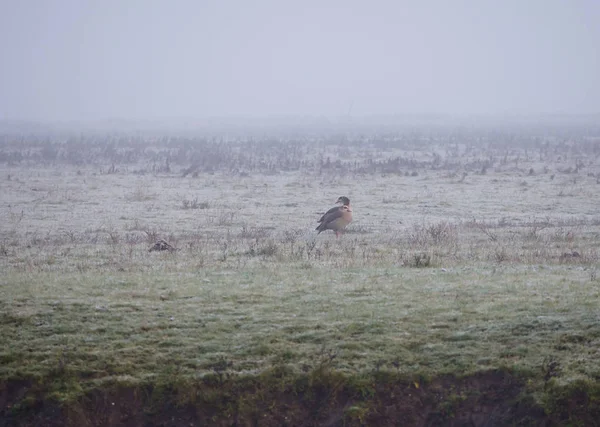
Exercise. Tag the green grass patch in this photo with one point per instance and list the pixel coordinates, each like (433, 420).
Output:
(410, 321)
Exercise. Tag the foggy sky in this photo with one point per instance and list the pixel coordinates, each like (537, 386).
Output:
(144, 59)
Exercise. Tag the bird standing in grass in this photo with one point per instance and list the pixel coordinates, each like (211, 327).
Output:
(337, 218)
(343, 200)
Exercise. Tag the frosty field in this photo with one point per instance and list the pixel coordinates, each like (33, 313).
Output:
(468, 255)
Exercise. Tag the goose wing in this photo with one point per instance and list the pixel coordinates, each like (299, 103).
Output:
(329, 212)
(329, 217)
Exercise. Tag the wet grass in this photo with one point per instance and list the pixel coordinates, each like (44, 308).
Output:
(429, 321)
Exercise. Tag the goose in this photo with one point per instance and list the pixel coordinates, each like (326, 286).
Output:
(337, 218)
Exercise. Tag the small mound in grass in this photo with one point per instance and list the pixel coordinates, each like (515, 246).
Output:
(162, 245)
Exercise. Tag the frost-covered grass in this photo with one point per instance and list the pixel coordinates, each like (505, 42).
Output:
(456, 320)
(440, 272)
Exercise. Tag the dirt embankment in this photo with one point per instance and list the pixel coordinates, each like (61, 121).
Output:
(487, 399)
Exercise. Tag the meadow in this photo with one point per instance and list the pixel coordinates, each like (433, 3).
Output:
(465, 292)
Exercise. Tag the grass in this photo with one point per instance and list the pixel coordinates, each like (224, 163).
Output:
(441, 273)
(429, 321)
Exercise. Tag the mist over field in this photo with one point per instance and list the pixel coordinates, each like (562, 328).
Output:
(67, 60)
(164, 165)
